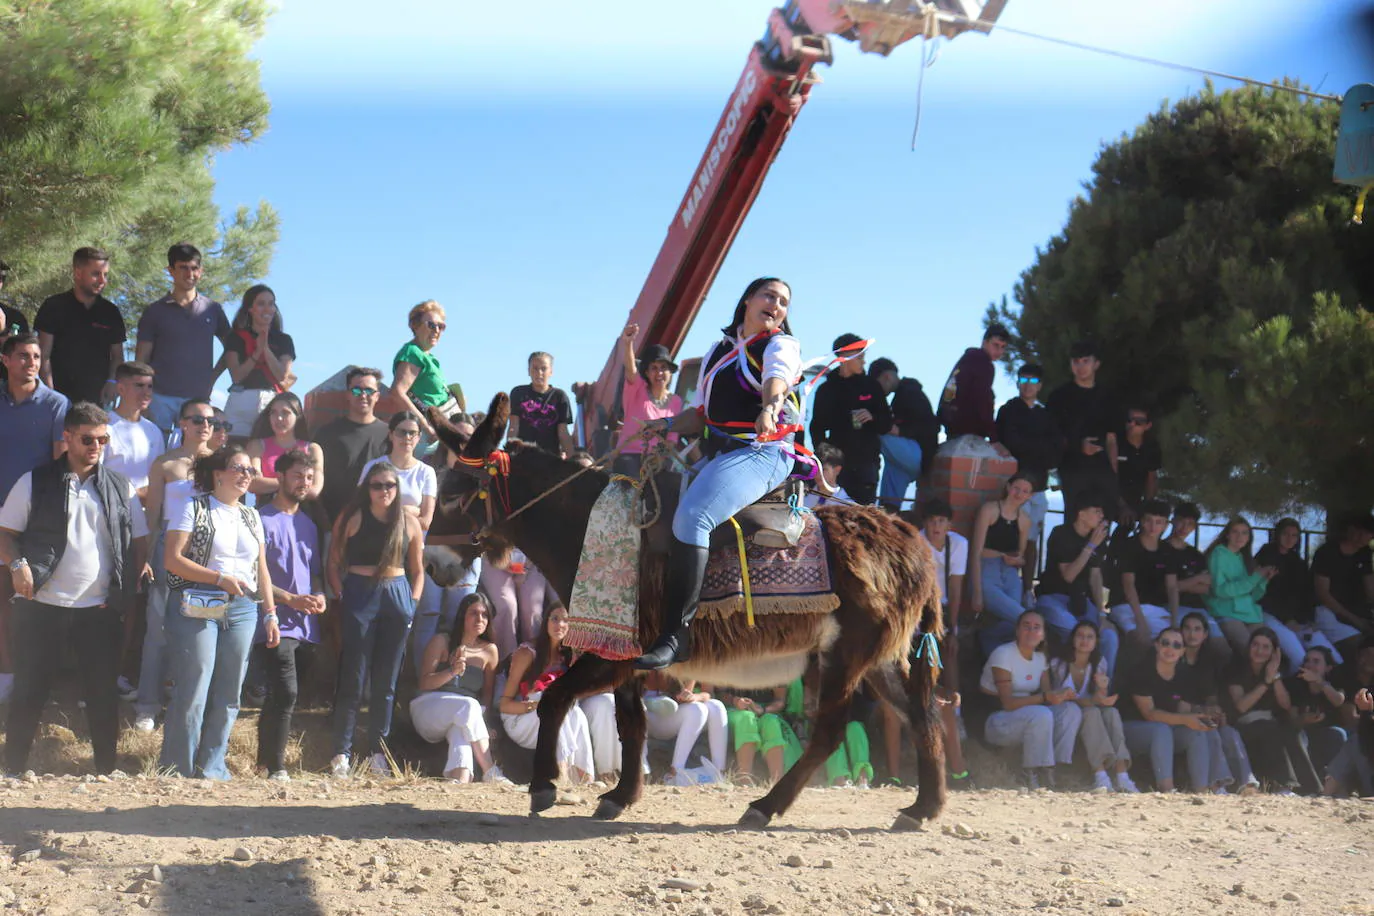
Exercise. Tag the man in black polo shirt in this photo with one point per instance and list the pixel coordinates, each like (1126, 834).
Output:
(82, 333)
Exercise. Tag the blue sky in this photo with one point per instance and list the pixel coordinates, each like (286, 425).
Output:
(522, 168)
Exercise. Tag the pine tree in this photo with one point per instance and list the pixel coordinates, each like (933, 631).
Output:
(110, 113)
(1215, 264)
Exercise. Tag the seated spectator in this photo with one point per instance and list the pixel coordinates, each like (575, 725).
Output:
(599, 709)
(258, 355)
(532, 669)
(539, 412)
(1317, 707)
(1263, 709)
(909, 448)
(1071, 586)
(438, 607)
(1237, 586)
(1028, 430)
(1201, 662)
(1290, 599)
(74, 537)
(376, 565)
(744, 711)
(518, 594)
(419, 484)
(1356, 673)
(1144, 566)
(827, 488)
(1000, 532)
(419, 384)
(220, 428)
(1138, 461)
(1034, 715)
(1079, 667)
(281, 428)
(1353, 768)
(678, 712)
(785, 725)
(1188, 578)
(647, 396)
(1343, 573)
(215, 555)
(1160, 719)
(456, 685)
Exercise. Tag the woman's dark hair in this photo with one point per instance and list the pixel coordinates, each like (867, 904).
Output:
(1175, 630)
(1019, 475)
(393, 545)
(243, 321)
(262, 426)
(1287, 523)
(455, 636)
(749, 291)
(1024, 614)
(1326, 653)
(400, 417)
(1268, 634)
(1247, 553)
(1066, 654)
(203, 474)
(543, 646)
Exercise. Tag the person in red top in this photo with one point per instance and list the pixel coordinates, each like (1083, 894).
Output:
(259, 355)
(966, 406)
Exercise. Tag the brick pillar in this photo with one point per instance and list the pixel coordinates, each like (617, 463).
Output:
(967, 473)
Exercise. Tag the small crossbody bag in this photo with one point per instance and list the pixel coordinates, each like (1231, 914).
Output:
(205, 603)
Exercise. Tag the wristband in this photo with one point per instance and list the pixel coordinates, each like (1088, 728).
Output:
(270, 615)
(668, 424)
(18, 564)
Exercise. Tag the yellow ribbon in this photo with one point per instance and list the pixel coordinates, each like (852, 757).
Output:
(1359, 204)
(744, 573)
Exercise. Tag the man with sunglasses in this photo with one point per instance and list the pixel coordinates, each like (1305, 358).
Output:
(1138, 461)
(1029, 432)
(351, 441)
(74, 537)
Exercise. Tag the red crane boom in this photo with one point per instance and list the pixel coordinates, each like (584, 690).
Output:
(776, 83)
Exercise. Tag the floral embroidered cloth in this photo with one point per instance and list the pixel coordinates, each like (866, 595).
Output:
(603, 615)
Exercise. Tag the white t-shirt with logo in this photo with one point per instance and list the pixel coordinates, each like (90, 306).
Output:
(133, 448)
(1025, 674)
(956, 549)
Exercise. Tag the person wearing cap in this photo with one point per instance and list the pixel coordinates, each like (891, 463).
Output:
(647, 396)
(851, 413)
(966, 405)
(909, 449)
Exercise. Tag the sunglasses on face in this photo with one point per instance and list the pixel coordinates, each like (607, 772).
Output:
(1139, 421)
(199, 421)
(362, 392)
(1027, 380)
(242, 470)
(222, 425)
(1171, 644)
(88, 441)
(436, 325)
(382, 486)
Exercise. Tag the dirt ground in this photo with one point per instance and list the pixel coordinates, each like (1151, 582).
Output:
(75, 844)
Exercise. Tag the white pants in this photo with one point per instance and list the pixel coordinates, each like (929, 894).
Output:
(1332, 627)
(600, 712)
(1157, 617)
(1290, 644)
(243, 407)
(574, 740)
(685, 723)
(1046, 733)
(438, 714)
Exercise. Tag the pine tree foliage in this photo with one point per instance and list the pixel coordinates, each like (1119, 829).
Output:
(1215, 263)
(110, 114)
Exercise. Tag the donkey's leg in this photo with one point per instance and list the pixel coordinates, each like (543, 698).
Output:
(837, 687)
(589, 674)
(629, 721)
(928, 733)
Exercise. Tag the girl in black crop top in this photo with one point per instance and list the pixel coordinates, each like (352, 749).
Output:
(376, 566)
(998, 549)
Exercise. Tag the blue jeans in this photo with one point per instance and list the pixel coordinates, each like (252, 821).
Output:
(1001, 589)
(901, 468)
(1060, 621)
(726, 484)
(438, 608)
(152, 671)
(1206, 760)
(376, 620)
(208, 659)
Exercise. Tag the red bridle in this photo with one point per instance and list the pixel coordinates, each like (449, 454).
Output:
(496, 466)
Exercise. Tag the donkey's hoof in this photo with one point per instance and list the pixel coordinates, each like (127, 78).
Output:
(905, 823)
(754, 819)
(608, 810)
(542, 799)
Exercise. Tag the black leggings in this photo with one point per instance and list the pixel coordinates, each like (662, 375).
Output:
(281, 665)
(1278, 756)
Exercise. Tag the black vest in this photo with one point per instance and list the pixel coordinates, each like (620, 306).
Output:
(44, 541)
(734, 400)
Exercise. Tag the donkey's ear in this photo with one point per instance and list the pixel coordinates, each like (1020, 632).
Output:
(493, 429)
(454, 439)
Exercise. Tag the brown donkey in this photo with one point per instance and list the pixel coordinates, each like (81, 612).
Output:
(881, 571)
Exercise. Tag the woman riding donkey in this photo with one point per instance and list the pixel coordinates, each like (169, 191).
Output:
(750, 421)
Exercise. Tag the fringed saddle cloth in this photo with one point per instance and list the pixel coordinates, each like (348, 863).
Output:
(603, 614)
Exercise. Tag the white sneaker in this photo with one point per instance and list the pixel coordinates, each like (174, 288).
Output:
(379, 765)
(1124, 784)
(6, 687)
(1285, 792)
(1220, 790)
(127, 691)
(279, 776)
(144, 724)
(1102, 783)
(339, 766)
(495, 776)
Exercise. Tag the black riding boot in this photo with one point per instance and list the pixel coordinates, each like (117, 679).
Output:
(686, 569)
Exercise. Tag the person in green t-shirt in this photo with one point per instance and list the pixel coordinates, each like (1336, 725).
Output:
(419, 380)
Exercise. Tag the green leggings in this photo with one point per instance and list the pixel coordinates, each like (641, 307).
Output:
(851, 758)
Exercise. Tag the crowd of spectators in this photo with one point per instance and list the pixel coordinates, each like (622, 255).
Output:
(238, 540)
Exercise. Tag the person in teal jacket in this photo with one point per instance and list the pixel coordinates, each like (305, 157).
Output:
(1237, 587)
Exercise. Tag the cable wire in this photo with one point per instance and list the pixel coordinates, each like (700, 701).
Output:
(1137, 58)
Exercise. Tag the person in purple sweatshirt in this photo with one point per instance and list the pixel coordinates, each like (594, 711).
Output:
(966, 406)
